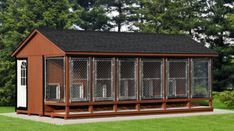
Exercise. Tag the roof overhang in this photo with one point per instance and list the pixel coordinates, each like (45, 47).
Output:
(139, 54)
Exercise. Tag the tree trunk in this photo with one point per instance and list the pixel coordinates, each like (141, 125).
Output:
(141, 15)
(120, 15)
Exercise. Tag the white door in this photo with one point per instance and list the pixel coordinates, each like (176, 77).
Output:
(22, 83)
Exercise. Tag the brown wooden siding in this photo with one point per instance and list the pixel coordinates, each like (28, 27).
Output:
(35, 90)
(39, 45)
(34, 50)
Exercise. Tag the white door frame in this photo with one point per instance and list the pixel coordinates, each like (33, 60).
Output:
(22, 83)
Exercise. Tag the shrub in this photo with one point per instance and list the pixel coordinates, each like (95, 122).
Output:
(200, 91)
(227, 97)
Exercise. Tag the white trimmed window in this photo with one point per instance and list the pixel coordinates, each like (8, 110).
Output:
(23, 74)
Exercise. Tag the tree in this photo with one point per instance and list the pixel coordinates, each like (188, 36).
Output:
(91, 15)
(18, 18)
(121, 12)
(218, 31)
(169, 16)
(210, 22)
(2, 8)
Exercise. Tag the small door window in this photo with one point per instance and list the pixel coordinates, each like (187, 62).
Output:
(23, 73)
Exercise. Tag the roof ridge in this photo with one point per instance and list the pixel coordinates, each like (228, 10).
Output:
(90, 31)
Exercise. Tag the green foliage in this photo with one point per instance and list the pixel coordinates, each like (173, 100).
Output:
(125, 9)
(200, 91)
(209, 21)
(217, 103)
(94, 19)
(201, 103)
(216, 27)
(17, 19)
(7, 83)
(227, 97)
(170, 17)
(90, 15)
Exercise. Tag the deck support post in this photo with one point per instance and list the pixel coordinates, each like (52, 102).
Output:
(52, 115)
(90, 109)
(211, 103)
(164, 106)
(115, 108)
(189, 104)
(67, 93)
(138, 107)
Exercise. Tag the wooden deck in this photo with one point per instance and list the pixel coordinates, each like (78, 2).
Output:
(119, 108)
(126, 112)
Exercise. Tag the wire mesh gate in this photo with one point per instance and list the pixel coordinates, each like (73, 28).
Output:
(103, 79)
(151, 78)
(177, 78)
(200, 78)
(127, 78)
(79, 79)
(54, 79)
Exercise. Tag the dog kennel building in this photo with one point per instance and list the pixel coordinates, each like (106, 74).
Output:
(75, 74)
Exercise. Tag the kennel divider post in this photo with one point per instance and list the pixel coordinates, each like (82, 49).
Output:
(164, 105)
(67, 80)
(189, 104)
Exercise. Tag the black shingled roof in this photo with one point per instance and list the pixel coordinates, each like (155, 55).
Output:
(93, 41)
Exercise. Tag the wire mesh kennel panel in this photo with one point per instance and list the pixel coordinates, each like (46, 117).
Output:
(151, 78)
(103, 79)
(127, 78)
(79, 79)
(54, 79)
(200, 78)
(177, 78)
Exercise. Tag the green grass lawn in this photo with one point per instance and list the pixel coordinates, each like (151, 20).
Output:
(5, 109)
(214, 122)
